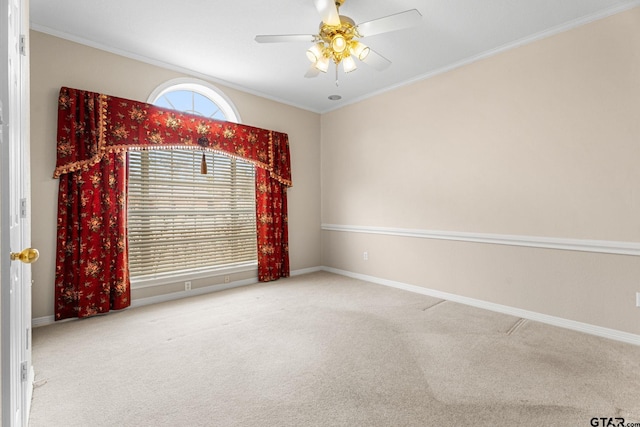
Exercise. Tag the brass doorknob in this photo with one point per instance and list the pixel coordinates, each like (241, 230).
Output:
(27, 256)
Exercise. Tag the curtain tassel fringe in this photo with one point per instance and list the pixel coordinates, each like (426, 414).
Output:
(203, 165)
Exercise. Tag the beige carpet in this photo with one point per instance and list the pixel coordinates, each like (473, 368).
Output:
(325, 350)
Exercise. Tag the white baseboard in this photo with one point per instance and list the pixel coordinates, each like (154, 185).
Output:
(48, 320)
(42, 321)
(306, 271)
(525, 314)
(517, 312)
(140, 302)
(208, 289)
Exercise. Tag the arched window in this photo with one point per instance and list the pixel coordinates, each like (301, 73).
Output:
(186, 222)
(194, 96)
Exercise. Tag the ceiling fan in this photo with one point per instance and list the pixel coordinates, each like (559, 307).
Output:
(338, 38)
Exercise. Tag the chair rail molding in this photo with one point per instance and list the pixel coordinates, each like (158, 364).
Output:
(584, 245)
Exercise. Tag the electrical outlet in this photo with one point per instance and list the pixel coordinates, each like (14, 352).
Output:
(637, 299)
(226, 279)
(365, 256)
(187, 286)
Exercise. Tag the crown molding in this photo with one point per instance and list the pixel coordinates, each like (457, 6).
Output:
(495, 51)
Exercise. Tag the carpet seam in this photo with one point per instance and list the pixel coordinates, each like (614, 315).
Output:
(516, 326)
(433, 305)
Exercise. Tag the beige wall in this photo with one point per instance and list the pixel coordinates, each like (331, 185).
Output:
(56, 62)
(542, 140)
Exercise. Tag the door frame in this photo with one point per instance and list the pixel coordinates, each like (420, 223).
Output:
(14, 316)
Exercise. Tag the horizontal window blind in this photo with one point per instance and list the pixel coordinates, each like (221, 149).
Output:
(181, 220)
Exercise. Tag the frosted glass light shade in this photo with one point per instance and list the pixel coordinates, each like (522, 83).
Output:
(338, 43)
(348, 64)
(314, 53)
(322, 64)
(360, 50)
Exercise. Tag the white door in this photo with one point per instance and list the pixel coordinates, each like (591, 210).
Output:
(15, 228)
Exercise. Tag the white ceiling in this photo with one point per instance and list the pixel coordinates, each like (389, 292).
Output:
(215, 39)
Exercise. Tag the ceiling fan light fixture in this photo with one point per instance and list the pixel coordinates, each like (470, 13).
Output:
(314, 53)
(360, 50)
(348, 64)
(322, 63)
(337, 38)
(338, 43)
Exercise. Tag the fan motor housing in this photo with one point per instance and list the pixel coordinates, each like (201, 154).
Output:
(347, 29)
(335, 36)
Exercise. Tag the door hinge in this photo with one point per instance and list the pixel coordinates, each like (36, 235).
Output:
(23, 45)
(23, 208)
(23, 371)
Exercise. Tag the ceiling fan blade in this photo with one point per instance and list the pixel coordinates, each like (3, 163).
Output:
(285, 38)
(328, 11)
(399, 21)
(377, 61)
(312, 72)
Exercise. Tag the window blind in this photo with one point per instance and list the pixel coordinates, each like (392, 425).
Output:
(183, 221)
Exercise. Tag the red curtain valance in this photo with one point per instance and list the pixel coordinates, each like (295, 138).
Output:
(123, 124)
(94, 133)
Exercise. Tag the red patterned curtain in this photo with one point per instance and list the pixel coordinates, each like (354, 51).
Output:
(91, 265)
(271, 215)
(94, 133)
